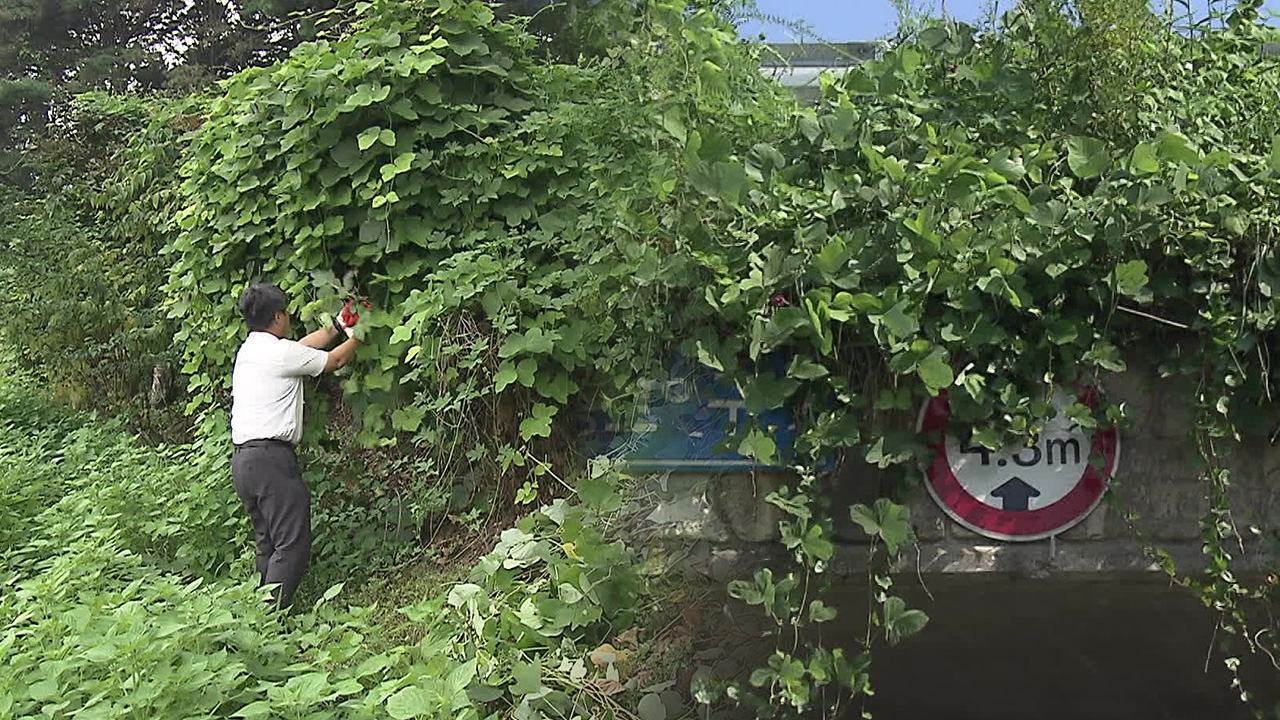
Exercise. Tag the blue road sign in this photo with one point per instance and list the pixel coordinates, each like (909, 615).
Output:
(684, 424)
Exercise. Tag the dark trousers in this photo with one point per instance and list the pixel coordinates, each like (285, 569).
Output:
(269, 483)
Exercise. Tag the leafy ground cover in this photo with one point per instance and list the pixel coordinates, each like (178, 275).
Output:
(126, 593)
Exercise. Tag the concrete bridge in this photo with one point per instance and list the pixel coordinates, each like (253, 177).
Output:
(1082, 623)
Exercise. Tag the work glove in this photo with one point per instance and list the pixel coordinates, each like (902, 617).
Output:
(350, 315)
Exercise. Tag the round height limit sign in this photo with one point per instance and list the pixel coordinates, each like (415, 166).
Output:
(1026, 492)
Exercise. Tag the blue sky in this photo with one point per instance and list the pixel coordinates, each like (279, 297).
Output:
(846, 20)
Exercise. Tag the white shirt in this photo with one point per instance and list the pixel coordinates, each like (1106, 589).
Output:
(266, 387)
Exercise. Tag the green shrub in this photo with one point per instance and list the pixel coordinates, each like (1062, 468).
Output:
(91, 281)
(120, 597)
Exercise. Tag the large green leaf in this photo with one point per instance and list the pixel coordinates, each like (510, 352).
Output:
(533, 341)
(1009, 167)
(760, 446)
(899, 622)
(528, 678)
(409, 702)
(1131, 278)
(763, 161)
(1144, 159)
(935, 372)
(1087, 157)
(887, 520)
(370, 136)
(722, 180)
(1177, 148)
(538, 424)
(898, 321)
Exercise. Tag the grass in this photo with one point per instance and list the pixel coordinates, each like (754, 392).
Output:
(418, 579)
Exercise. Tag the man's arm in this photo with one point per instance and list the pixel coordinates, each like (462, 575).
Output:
(340, 355)
(342, 324)
(322, 338)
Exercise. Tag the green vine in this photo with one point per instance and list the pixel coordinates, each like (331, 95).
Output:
(986, 215)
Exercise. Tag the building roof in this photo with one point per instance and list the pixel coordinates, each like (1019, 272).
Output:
(824, 55)
(798, 65)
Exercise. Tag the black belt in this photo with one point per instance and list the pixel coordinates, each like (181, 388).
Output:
(263, 442)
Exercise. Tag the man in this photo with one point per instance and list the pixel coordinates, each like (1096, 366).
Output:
(266, 424)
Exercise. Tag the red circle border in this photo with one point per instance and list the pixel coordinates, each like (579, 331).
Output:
(1010, 525)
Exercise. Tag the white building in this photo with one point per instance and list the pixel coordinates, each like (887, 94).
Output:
(798, 65)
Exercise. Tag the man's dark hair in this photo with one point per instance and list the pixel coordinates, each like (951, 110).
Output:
(259, 305)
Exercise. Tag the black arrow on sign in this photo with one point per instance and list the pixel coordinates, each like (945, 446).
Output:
(1015, 493)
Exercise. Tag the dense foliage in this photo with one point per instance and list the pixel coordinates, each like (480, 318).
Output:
(991, 215)
(125, 594)
(52, 50)
(985, 218)
(983, 214)
(493, 208)
(86, 249)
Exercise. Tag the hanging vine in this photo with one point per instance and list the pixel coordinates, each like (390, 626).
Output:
(981, 215)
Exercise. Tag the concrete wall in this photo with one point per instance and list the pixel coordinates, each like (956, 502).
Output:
(1081, 625)
(1156, 494)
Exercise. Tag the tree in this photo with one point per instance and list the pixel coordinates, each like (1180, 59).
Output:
(570, 28)
(51, 50)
